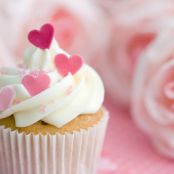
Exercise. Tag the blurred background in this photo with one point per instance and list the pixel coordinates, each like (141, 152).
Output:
(112, 36)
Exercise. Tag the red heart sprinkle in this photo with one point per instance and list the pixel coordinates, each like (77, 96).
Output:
(36, 83)
(67, 65)
(42, 38)
(7, 96)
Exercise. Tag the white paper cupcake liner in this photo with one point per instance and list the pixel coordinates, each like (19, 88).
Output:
(75, 153)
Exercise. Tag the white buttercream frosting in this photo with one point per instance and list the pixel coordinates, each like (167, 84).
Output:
(66, 97)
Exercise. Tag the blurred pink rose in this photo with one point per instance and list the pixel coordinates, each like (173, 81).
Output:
(153, 93)
(80, 26)
(135, 24)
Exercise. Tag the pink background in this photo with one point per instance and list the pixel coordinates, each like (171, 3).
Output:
(127, 150)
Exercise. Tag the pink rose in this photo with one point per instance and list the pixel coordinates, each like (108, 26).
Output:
(153, 93)
(80, 28)
(135, 24)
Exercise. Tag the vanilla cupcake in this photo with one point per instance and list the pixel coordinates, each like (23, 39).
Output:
(51, 115)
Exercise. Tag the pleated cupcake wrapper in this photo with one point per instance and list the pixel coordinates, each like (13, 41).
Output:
(75, 153)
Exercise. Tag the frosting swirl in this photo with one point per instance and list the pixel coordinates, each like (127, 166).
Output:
(48, 95)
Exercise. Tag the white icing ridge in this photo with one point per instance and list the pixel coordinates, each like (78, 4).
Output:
(65, 99)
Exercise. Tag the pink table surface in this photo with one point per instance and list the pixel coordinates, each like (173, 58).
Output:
(127, 150)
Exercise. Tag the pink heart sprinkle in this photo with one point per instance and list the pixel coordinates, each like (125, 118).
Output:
(67, 65)
(42, 38)
(7, 96)
(36, 83)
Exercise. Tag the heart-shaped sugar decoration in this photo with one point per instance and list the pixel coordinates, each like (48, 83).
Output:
(67, 65)
(7, 96)
(36, 83)
(42, 38)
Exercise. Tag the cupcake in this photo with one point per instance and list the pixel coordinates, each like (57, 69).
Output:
(51, 114)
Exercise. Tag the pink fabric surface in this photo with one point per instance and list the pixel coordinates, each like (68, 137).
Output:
(127, 150)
